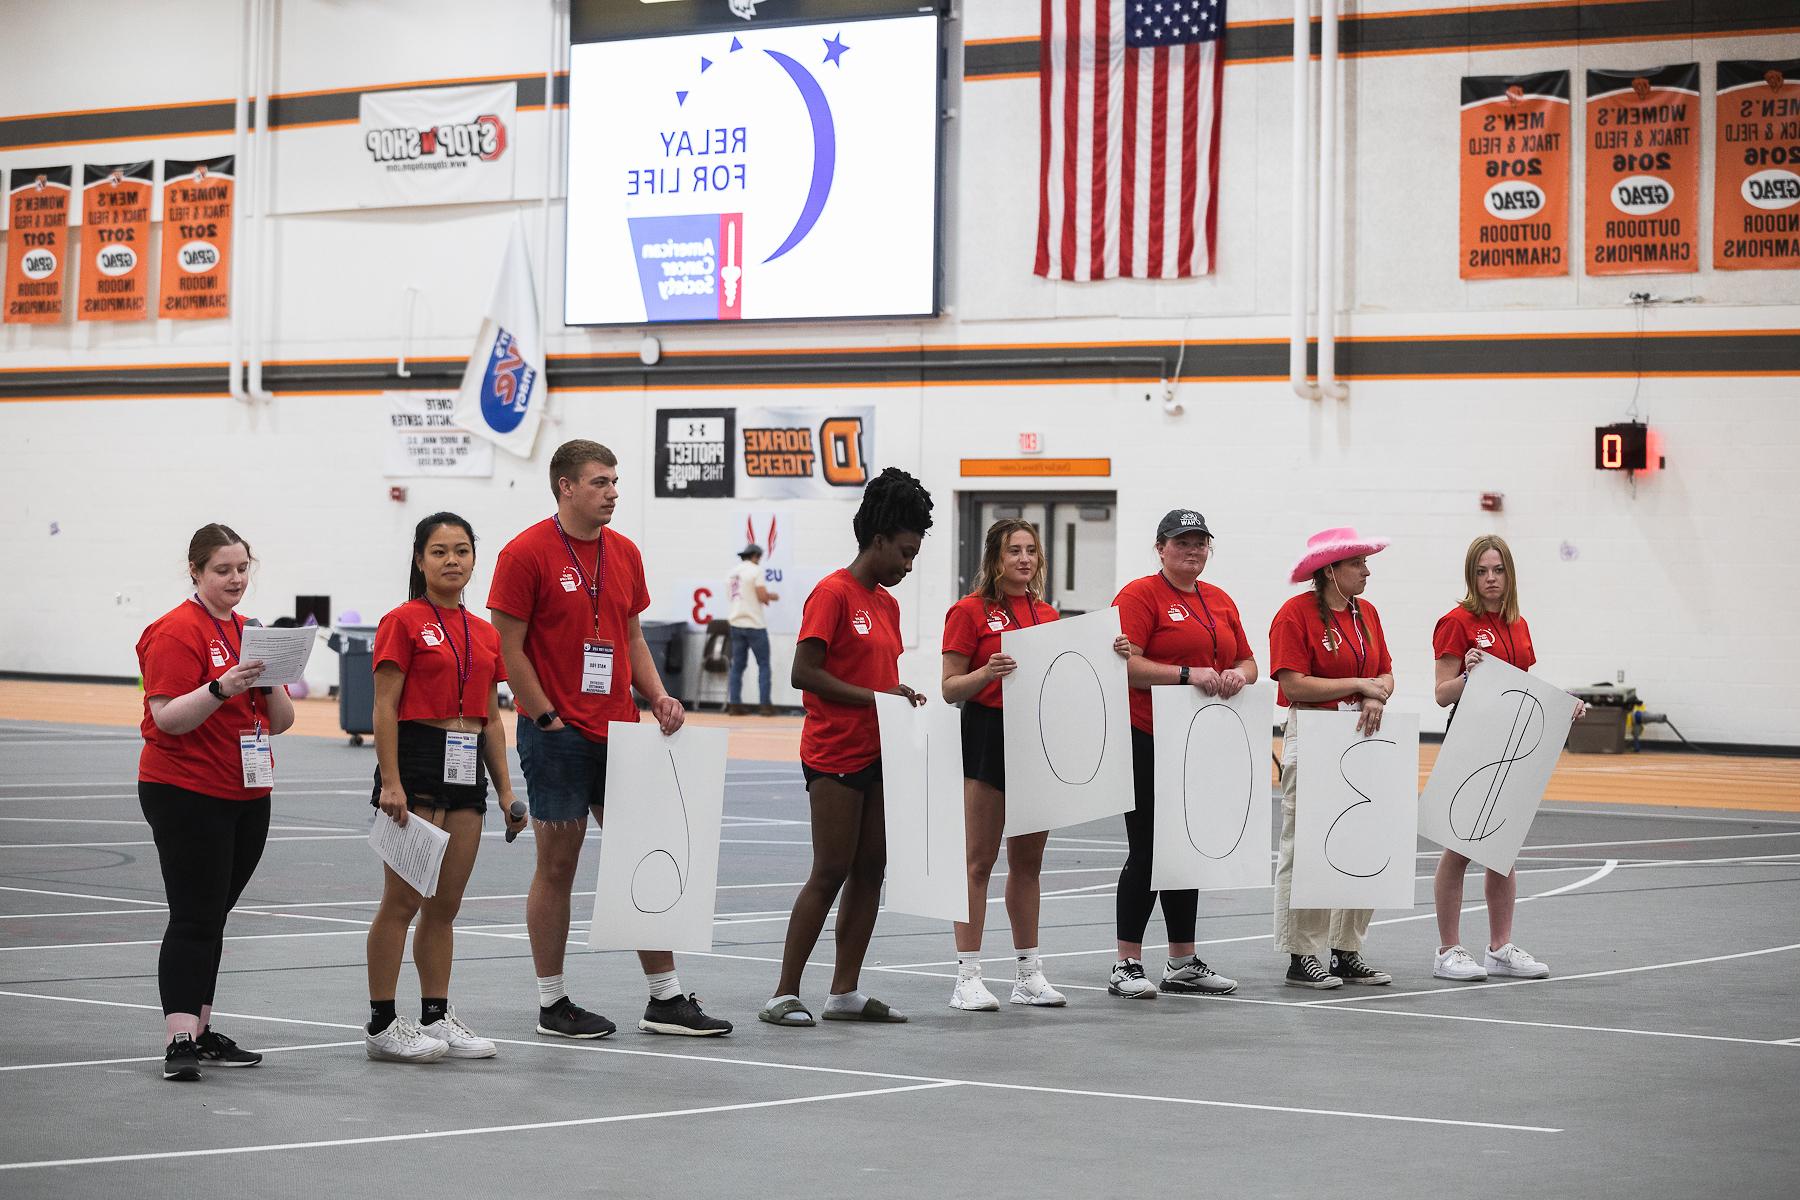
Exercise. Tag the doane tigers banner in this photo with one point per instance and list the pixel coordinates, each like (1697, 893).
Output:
(1643, 171)
(37, 204)
(809, 453)
(1756, 167)
(196, 245)
(1515, 175)
(115, 242)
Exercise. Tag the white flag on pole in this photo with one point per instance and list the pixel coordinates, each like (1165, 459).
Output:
(503, 392)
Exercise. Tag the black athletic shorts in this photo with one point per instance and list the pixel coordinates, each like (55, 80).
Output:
(857, 781)
(421, 755)
(984, 744)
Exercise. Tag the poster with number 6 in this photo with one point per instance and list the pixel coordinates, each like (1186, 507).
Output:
(1356, 813)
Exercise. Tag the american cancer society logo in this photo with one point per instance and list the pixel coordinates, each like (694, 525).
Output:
(507, 386)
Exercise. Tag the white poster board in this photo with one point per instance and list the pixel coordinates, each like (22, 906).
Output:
(1356, 814)
(659, 855)
(1495, 763)
(1212, 788)
(922, 788)
(1068, 724)
(426, 441)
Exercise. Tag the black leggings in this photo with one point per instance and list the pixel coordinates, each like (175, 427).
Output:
(1135, 899)
(209, 849)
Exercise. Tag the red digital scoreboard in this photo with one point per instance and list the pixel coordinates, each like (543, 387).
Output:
(1622, 447)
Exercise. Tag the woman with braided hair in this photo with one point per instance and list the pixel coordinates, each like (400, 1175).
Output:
(849, 650)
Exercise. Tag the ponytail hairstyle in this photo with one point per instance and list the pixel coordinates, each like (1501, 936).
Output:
(415, 583)
(1509, 599)
(993, 552)
(892, 503)
(206, 540)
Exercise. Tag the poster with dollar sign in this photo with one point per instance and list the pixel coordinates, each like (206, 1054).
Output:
(1490, 776)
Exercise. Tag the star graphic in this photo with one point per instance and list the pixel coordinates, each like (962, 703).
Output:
(834, 50)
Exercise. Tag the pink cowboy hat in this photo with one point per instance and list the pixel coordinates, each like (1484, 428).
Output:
(1333, 545)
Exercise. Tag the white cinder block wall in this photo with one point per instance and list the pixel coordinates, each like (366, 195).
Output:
(1681, 584)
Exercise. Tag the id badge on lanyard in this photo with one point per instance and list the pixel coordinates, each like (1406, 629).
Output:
(596, 667)
(1354, 704)
(257, 758)
(460, 758)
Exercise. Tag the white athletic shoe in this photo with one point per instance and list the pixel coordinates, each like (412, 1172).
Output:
(463, 1041)
(1128, 981)
(971, 995)
(1458, 964)
(404, 1042)
(1510, 960)
(1032, 988)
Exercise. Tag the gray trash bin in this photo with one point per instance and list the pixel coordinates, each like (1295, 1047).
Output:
(355, 646)
(667, 642)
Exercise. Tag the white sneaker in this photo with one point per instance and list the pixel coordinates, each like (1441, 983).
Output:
(463, 1041)
(1031, 987)
(971, 995)
(1129, 981)
(1458, 964)
(403, 1041)
(1510, 960)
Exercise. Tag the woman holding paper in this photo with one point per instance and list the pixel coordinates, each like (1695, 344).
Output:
(849, 649)
(438, 739)
(1486, 622)
(1188, 632)
(203, 783)
(1326, 650)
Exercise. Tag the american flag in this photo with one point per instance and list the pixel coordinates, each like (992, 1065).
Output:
(1128, 94)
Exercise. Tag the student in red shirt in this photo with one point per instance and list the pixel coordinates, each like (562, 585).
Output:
(1486, 622)
(203, 783)
(438, 740)
(1185, 632)
(849, 649)
(1326, 650)
(565, 599)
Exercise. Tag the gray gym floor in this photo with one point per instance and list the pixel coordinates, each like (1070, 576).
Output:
(1662, 1058)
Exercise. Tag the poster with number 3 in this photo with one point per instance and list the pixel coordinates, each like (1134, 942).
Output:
(1356, 812)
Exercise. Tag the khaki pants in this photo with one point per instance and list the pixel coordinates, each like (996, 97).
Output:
(1314, 931)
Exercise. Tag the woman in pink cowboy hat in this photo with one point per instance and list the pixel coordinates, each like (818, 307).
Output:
(1326, 650)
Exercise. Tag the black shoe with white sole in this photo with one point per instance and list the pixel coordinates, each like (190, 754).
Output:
(681, 1016)
(1304, 971)
(217, 1050)
(567, 1019)
(181, 1061)
(1349, 966)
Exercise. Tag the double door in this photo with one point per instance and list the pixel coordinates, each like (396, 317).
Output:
(1079, 535)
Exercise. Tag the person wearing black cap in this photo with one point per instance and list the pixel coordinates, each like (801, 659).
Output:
(749, 631)
(1186, 633)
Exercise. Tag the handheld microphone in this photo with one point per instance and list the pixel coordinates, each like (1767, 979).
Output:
(517, 810)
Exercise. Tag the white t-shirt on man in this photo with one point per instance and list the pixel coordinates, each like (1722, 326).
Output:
(746, 606)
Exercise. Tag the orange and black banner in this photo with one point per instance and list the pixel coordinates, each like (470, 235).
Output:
(1643, 171)
(38, 215)
(1756, 167)
(1515, 175)
(196, 242)
(115, 242)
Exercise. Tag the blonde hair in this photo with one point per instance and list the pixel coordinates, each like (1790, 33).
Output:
(993, 551)
(1509, 599)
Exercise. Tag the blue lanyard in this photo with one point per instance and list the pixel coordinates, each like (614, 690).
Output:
(462, 668)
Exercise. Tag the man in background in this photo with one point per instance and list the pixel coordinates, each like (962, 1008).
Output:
(749, 631)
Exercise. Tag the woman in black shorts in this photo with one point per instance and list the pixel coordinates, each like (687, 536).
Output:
(438, 739)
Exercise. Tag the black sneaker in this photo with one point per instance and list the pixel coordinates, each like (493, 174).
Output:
(681, 1016)
(567, 1019)
(221, 1051)
(182, 1059)
(1349, 966)
(1304, 971)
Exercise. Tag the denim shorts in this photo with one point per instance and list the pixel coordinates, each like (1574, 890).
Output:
(565, 773)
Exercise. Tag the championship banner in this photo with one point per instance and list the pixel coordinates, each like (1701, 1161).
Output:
(1643, 171)
(196, 243)
(426, 441)
(811, 453)
(38, 215)
(1756, 167)
(694, 448)
(1515, 175)
(449, 145)
(115, 239)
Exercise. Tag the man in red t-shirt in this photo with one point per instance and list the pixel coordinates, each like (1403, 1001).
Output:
(565, 598)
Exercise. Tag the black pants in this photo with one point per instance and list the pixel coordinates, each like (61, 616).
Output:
(1135, 899)
(209, 849)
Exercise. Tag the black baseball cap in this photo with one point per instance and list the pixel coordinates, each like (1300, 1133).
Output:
(1179, 521)
(751, 551)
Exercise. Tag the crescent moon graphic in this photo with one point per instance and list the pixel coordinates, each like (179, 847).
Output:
(824, 151)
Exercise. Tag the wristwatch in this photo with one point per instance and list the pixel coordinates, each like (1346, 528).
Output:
(1184, 675)
(218, 693)
(545, 719)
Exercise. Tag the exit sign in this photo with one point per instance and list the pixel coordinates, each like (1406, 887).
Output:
(1030, 443)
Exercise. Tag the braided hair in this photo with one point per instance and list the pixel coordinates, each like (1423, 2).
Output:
(892, 503)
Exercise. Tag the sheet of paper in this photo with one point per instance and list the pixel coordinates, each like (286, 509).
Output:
(1068, 724)
(1212, 788)
(415, 850)
(659, 852)
(1356, 814)
(284, 652)
(1495, 763)
(921, 770)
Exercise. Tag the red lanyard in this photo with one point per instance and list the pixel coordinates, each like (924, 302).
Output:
(598, 581)
(463, 666)
(237, 624)
(1212, 626)
(1013, 613)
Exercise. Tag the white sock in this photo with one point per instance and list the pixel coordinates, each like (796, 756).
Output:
(968, 963)
(848, 1002)
(1028, 960)
(550, 990)
(663, 985)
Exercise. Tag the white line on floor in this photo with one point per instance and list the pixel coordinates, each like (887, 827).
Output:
(311, 837)
(110, 1062)
(1711, 837)
(1609, 813)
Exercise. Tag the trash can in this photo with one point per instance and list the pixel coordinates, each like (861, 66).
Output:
(1605, 728)
(667, 642)
(355, 646)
